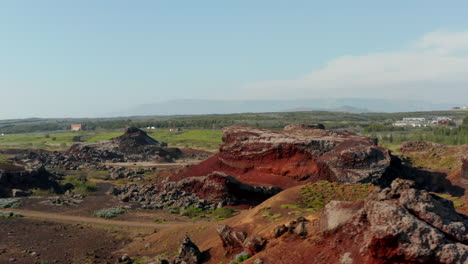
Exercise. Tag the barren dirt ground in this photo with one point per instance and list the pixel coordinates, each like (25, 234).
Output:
(24, 240)
(72, 234)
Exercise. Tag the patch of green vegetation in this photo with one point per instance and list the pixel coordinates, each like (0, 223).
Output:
(295, 212)
(217, 214)
(192, 212)
(455, 200)
(5, 159)
(143, 259)
(109, 212)
(202, 228)
(96, 174)
(9, 214)
(41, 193)
(222, 213)
(9, 203)
(290, 206)
(239, 258)
(80, 183)
(457, 204)
(317, 195)
(278, 215)
(174, 210)
(269, 214)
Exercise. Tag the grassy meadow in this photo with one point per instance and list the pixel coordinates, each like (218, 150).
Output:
(197, 138)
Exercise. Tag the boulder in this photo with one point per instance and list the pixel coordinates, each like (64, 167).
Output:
(398, 224)
(253, 245)
(20, 193)
(233, 242)
(189, 252)
(279, 231)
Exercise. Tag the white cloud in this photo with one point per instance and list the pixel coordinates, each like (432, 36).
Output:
(433, 68)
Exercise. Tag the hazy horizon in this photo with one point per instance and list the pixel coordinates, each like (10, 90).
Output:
(92, 58)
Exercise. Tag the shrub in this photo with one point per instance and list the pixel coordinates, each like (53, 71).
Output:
(10, 203)
(223, 213)
(109, 212)
(239, 258)
(81, 185)
(9, 214)
(192, 211)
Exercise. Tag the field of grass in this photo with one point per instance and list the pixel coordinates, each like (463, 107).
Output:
(199, 139)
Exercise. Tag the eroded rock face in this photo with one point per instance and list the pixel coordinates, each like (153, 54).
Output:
(399, 224)
(21, 175)
(298, 153)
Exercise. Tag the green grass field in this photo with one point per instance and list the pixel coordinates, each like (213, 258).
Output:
(199, 139)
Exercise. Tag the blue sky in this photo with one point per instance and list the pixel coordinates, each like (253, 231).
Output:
(86, 58)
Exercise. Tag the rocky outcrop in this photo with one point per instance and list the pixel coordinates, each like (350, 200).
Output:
(414, 146)
(297, 227)
(399, 224)
(205, 192)
(298, 154)
(133, 145)
(188, 254)
(149, 197)
(17, 177)
(222, 188)
(235, 242)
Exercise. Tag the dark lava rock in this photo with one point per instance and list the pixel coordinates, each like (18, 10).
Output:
(21, 175)
(205, 192)
(396, 224)
(222, 188)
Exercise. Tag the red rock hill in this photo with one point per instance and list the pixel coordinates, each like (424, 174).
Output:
(298, 154)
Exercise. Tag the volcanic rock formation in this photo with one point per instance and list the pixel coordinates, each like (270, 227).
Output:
(399, 224)
(133, 145)
(295, 155)
(16, 177)
(206, 192)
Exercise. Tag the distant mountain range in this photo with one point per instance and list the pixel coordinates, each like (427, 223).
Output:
(350, 105)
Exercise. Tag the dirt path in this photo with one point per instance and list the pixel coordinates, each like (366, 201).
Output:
(88, 220)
